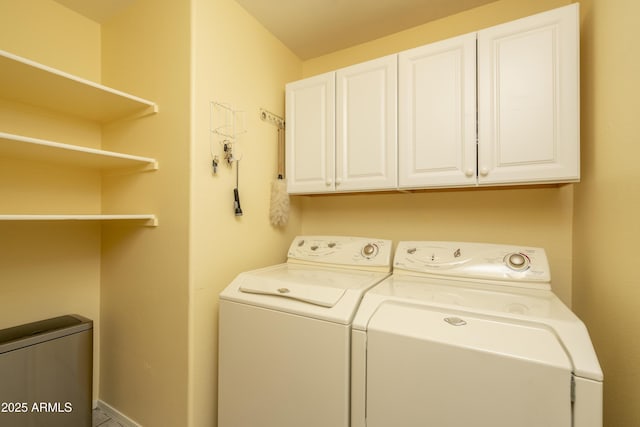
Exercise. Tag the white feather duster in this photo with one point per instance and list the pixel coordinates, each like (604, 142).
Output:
(279, 211)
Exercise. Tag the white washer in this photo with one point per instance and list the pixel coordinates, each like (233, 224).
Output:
(467, 334)
(285, 332)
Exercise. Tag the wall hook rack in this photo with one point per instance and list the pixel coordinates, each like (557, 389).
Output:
(274, 119)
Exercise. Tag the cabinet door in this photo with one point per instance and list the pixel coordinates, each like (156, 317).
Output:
(310, 143)
(437, 114)
(366, 123)
(528, 99)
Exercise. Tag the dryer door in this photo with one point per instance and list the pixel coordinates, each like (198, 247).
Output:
(427, 367)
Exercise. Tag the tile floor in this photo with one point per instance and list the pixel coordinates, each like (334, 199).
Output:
(102, 419)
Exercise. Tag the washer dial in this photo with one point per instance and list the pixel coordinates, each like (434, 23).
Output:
(517, 261)
(369, 250)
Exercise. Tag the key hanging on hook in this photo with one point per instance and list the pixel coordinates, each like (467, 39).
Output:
(214, 164)
(227, 147)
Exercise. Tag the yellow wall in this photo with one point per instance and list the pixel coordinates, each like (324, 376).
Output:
(606, 290)
(144, 277)
(235, 62)
(49, 269)
(540, 216)
(46, 32)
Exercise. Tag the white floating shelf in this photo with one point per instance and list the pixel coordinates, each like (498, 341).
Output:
(150, 220)
(19, 146)
(30, 82)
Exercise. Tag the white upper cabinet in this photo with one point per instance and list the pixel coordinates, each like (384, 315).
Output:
(366, 124)
(437, 114)
(310, 133)
(342, 129)
(500, 106)
(528, 99)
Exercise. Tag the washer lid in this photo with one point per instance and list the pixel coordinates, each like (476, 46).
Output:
(508, 304)
(427, 364)
(506, 338)
(331, 294)
(312, 294)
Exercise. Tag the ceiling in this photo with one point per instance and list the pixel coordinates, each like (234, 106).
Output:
(311, 28)
(97, 10)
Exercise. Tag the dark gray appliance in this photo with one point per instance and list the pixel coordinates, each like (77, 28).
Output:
(46, 373)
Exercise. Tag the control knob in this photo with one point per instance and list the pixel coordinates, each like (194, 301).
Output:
(369, 250)
(517, 261)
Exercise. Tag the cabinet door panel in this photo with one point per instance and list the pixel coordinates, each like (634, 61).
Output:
(528, 98)
(310, 133)
(437, 114)
(366, 123)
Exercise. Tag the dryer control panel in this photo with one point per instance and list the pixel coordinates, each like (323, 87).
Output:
(358, 252)
(473, 261)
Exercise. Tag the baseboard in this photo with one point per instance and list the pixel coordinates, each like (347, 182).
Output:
(116, 415)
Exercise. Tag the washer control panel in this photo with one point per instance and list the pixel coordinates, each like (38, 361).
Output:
(473, 261)
(342, 250)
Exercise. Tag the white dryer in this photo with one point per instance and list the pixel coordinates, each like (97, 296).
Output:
(467, 334)
(285, 334)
